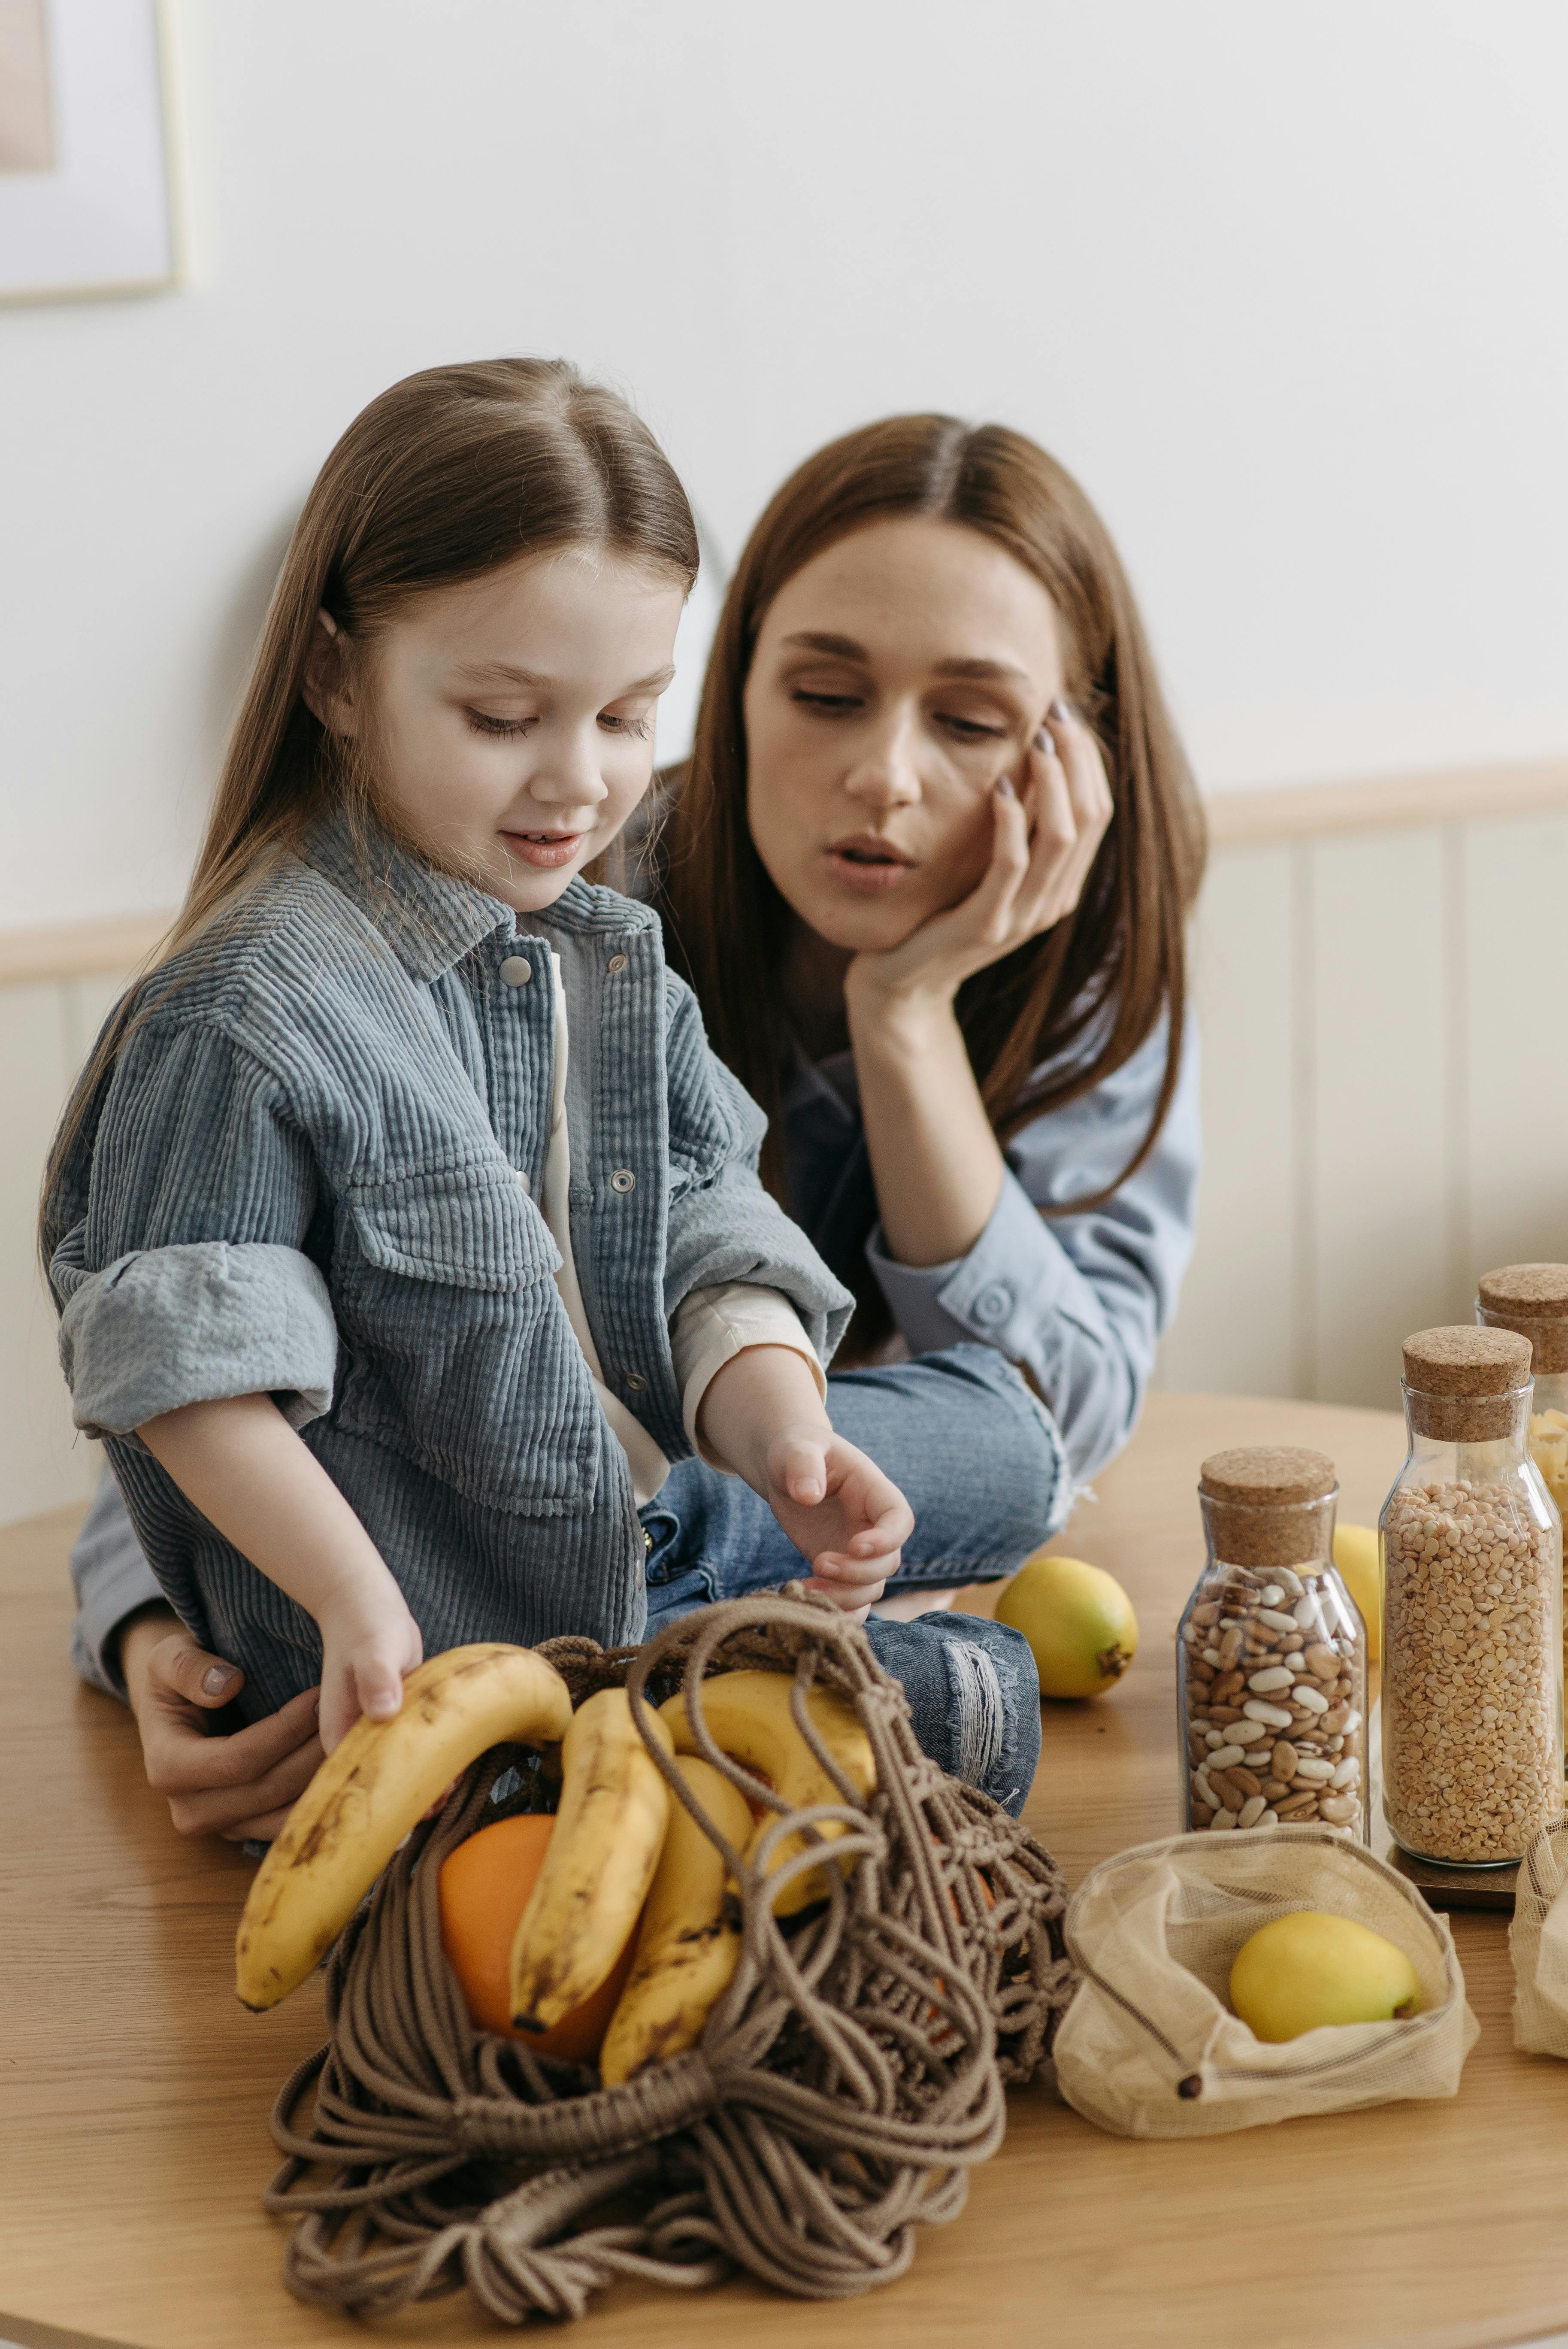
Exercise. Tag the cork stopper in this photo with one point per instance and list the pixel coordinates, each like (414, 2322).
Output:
(1531, 1299)
(1269, 1505)
(1460, 1382)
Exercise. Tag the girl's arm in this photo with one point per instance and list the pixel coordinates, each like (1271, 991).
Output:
(244, 1467)
(936, 1164)
(762, 1415)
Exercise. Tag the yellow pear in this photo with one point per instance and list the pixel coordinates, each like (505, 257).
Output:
(1077, 1619)
(1360, 1567)
(1309, 1969)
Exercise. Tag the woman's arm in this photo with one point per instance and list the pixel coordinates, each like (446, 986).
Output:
(936, 1164)
(1077, 1302)
(244, 1467)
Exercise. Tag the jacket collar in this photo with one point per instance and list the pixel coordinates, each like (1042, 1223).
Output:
(430, 920)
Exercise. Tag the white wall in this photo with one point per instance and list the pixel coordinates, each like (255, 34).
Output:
(1284, 284)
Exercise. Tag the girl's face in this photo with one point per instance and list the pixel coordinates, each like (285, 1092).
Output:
(513, 716)
(896, 677)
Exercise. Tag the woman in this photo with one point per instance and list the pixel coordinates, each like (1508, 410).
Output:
(927, 871)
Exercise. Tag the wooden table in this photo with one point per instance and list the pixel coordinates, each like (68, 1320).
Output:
(134, 2143)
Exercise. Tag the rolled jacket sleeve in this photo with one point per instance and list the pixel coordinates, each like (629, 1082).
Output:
(165, 1327)
(1078, 1303)
(185, 1279)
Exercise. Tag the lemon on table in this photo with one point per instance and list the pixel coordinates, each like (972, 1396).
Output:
(1309, 1969)
(1078, 1622)
(1361, 1571)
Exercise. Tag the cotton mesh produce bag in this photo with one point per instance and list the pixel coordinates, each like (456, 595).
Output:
(1538, 1944)
(846, 2083)
(1149, 2047)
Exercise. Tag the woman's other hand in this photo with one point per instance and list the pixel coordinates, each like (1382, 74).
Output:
(1048, 827)
(238, 1785)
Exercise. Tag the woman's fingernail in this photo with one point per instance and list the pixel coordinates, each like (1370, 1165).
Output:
(1061, 710)
(1043, 741)
(1005, 788)
(216, 1679)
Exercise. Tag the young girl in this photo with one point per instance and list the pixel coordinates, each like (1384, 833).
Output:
(403, 1227)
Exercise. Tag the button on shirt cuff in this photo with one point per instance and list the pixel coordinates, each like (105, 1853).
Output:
(714, 1325)
(166, 1327)
(1014, 1277)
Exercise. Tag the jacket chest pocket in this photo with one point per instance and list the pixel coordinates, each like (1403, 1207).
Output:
(457, 1349)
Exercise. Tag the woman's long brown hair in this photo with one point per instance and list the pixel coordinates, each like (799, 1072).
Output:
(1054, 1019)
(450, 475)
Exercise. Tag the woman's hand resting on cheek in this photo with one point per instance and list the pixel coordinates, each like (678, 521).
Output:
(761, 1415)
(239, 1786)
(935, 1160)
(1046, 832)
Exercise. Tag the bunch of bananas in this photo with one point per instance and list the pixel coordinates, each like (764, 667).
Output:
(622, 1859)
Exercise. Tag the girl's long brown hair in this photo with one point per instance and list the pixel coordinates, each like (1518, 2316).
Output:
(447, 475)
(1054, 1019)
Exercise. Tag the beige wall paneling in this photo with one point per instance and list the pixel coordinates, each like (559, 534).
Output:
(42, 1461)
(87, 1003)
(1234, 1333)
(1515, 1130)
(1383, 952)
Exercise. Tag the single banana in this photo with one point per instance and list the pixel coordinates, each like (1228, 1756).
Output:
(748, 1717)
(688, 1943)
(609, 1829)
(372, 1789)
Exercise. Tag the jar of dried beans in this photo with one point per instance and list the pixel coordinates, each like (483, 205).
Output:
(1532, 1300)
(1472, 1610)
(1271, 1654)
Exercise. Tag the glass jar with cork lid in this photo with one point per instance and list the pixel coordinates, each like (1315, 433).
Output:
(1472, 1610)
(1532, 1300)
(1270, 1655)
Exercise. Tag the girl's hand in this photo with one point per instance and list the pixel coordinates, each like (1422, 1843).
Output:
(763, 1417)
(839, 1510)
(1048, 827)
(368, 1642)
(238, 1787)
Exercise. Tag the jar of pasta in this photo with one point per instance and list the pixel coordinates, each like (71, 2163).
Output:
(1271, 1654)
(1532, 1300)
(1472, 1610)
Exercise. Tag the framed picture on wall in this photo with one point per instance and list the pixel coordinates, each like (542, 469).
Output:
(88, 185)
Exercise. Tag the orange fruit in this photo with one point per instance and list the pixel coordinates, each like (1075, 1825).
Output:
(484, 1890)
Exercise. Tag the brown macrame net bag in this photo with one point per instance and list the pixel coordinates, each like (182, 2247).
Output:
(846, 2082)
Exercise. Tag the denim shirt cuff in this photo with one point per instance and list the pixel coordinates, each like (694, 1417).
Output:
(120, 1586)
(1014, 1277)
(165, 1327)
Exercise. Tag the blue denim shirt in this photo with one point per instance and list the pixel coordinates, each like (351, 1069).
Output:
(1077, 1302)
(310, 1174)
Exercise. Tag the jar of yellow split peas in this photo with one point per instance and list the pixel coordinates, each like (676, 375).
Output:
(1533, 1299)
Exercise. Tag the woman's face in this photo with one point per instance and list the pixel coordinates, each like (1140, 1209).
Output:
(896, 677)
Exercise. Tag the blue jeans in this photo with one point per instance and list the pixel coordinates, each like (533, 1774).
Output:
(981, 1466)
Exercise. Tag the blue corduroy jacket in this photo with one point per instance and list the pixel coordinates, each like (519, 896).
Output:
(312, 1172)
